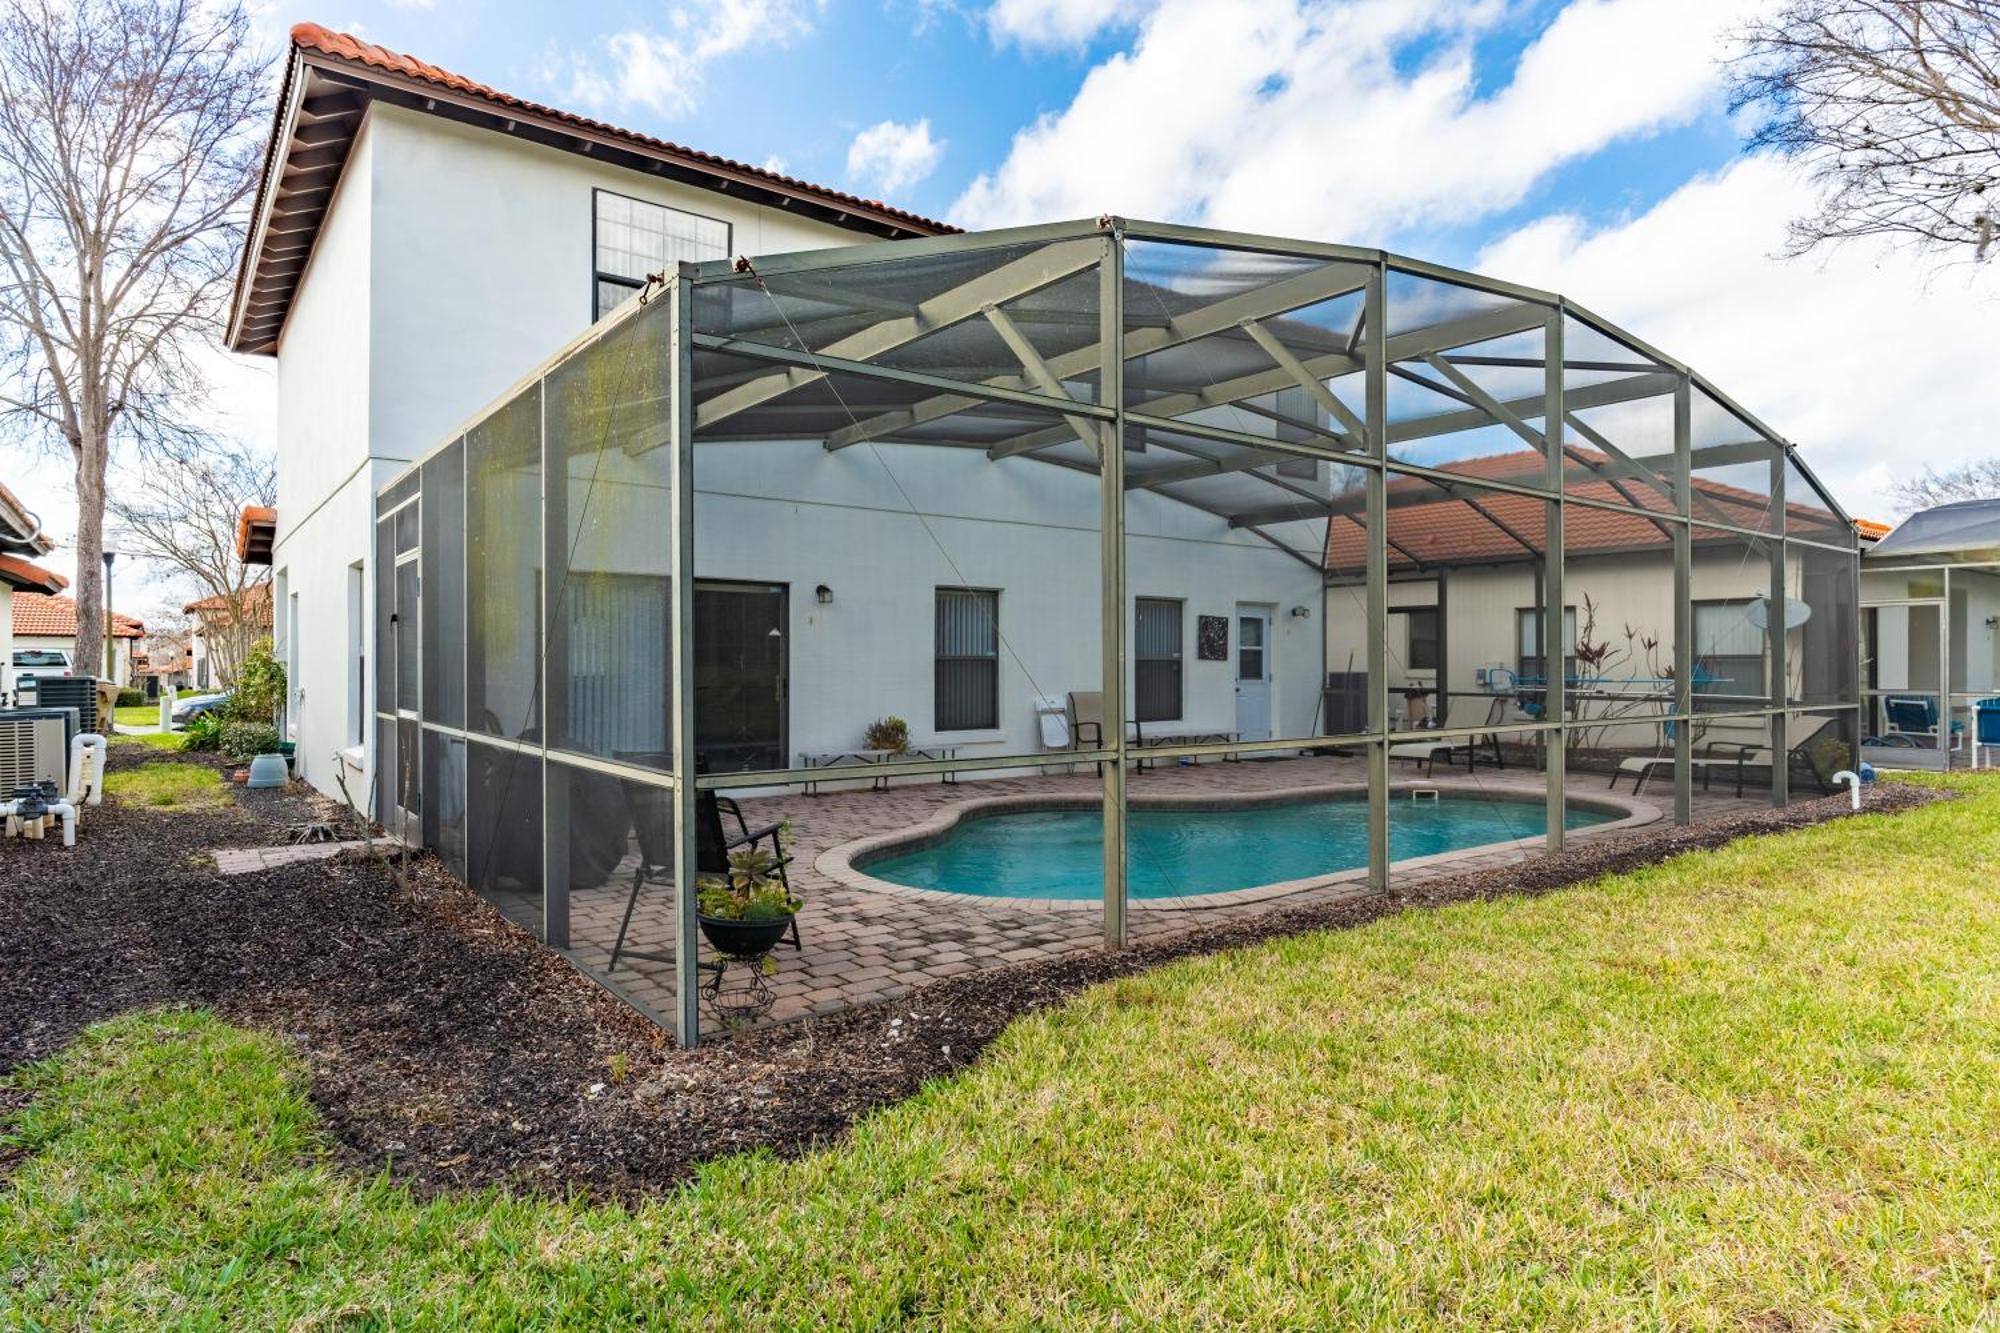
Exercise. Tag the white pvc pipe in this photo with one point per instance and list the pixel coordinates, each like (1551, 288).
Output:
(86, 769)
(1853, 781)
(62, 809)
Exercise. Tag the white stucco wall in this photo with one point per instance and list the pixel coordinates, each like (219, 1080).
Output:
(800, 515)
(453, 261)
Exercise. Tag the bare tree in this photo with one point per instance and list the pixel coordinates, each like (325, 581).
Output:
(127, 148)
(182, 512)
(1894, 105)
(1977, 480)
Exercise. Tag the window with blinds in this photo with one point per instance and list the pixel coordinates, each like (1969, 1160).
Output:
(968, 659)
(1728, 656)
(633, 238)
(1529, 663)
(1156, 660)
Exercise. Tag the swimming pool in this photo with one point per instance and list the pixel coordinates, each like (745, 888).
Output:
(1057, 854)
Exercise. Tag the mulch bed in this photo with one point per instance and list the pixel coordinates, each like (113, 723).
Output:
(444, 1044)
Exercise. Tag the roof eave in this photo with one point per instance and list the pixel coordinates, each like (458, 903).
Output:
(637, 152)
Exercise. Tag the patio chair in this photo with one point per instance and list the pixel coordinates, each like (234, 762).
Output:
(1086, 722)
(1914, 716)
(1427, 752)
(652, 817)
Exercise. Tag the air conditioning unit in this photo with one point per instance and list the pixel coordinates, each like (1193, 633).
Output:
(34, 748)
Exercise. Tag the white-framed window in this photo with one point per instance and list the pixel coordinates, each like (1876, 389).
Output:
(1728, 655)
(631, 238)
(1529, 663)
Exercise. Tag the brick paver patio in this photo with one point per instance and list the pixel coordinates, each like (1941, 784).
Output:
(863, 944)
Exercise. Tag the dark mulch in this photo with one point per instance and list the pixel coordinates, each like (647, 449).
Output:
(444, 1043)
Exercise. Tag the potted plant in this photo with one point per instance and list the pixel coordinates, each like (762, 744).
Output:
(745, 913)
(888, 733)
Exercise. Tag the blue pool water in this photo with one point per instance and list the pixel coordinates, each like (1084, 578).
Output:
(1058, 853)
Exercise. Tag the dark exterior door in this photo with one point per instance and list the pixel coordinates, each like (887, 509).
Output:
(741, 666)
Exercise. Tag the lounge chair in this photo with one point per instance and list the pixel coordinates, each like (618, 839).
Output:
(1737, 757)
(1427, 752)
(652, 818)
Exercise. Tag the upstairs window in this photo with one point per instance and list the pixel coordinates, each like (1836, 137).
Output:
(634, 238)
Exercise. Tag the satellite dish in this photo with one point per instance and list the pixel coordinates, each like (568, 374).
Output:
(1758, 613)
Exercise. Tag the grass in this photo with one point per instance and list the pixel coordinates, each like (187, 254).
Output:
(1755, 1086)
(158, 740)
(168, 786)
(138, 715)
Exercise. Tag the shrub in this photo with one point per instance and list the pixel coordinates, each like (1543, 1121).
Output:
(259, 690)
(131, 698)
(203, 732)
(889, 733)
(246, 740)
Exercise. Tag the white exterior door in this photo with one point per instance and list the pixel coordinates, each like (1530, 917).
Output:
(1253, 673)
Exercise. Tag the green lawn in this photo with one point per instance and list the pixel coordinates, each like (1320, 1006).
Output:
(159, 740)
(1759, 1086)
(138, 715)
(168, 786)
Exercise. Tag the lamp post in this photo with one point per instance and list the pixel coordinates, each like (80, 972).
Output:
(110, 655)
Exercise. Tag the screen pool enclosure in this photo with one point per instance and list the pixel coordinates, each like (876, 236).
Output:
(1107, 513)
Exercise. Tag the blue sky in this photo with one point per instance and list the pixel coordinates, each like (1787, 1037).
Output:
(1583, 146)
(811, 82)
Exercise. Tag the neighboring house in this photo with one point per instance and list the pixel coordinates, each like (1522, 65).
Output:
(1463, 592)
(242, 620)
(169, 664)
(1930, 592)
(419, 240)
(48, 622)
(21, 540)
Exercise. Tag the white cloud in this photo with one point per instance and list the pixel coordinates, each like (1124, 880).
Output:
(1873, 363)
(666, 69)
(1305, 116)
(892, 156)
(1059, 23)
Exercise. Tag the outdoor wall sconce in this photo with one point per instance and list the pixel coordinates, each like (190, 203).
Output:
(1301, 612)
(824, 594)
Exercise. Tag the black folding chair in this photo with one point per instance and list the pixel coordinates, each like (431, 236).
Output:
(652, 817)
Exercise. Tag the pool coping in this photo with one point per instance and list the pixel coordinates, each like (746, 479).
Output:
(838, 863)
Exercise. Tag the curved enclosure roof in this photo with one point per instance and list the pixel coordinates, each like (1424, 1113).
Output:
(1968, 530)
(1240, 365)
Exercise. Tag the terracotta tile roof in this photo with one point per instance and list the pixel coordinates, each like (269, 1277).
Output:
(18, 573)
(256, 601)
(55, 618)
(1443, 531)
(312, 37)
(1871, 530)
